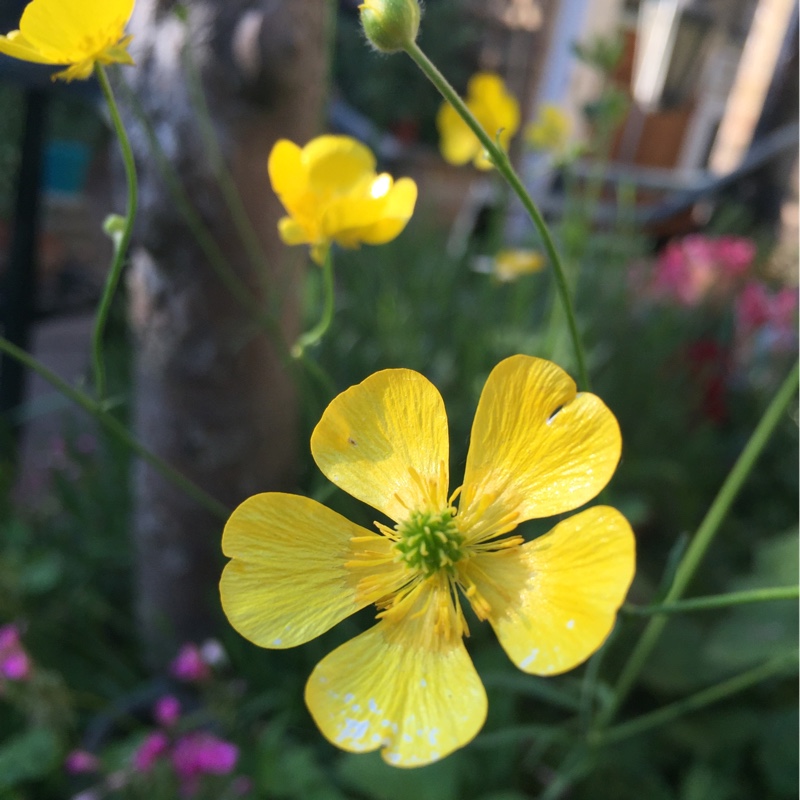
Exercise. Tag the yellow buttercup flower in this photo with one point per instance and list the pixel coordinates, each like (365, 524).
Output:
(407, 685)
(495, 109)
(80, 33)
(512, 264)
(333, 194)
(550, 130)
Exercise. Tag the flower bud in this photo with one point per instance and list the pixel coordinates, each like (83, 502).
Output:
(390, 25)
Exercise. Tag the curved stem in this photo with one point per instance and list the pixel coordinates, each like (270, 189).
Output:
(503, 164)
(121, 241)
(316, 333)
(217, 260)
(227, 185)
(717, 601)
(117, 429)
(706, 697)
(701, 541)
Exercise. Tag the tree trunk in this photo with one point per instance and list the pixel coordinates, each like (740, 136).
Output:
(213, 396)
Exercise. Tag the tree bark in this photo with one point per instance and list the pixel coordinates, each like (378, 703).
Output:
(213, 396)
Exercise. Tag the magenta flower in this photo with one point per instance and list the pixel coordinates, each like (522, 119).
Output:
(81, 761)
(201, 753)
(15, 665)
(189, 665)
(167, 710)
(154, 746)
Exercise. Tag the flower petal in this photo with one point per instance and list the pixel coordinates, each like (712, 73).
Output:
(537, 448)
(288, 581)
(554, 600)
(68, 31)
(17, 46)
(371, 220)
(458, 144)
(286, 173)
(397, 210)
(384, 441)
(336, 164)
(292, 232)
(402, 686)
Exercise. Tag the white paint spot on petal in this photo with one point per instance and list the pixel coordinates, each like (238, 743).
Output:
(526, 662)
(394, 757)
(423, 683)
(353, 729)
(373, 707)
(356, 708)
(570, 624)
(349, 697)
(385, 723)
(277, 642)
(432, 736)
(406, 737)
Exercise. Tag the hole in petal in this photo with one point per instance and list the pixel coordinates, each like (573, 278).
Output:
(554, 414)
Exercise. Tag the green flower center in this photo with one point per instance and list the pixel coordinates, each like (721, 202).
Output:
(429, 541)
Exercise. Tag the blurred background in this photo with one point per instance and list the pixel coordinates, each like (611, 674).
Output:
(671, 186)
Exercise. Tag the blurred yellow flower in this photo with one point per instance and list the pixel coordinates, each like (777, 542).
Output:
(511, 264)
(407, 685)
(80, 33)
(495, 109)
(333, 194)
(550, 130)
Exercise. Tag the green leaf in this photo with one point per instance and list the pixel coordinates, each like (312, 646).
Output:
(28, 756)
(777, 753)
(369, 774)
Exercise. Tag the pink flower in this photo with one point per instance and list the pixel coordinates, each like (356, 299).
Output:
(167, 710)
(735, 254)
(15, 665)
(81, 761)
(9, 637)
(197, 754)
(154, 746)
(690, 269)
(189, 664)
(768, 316)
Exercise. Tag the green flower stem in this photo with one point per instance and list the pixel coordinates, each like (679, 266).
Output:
(529, 686)
(701, 540)
(121, 242)
(216, 258)
(503, 164)
(117, 429)
(706, 697)
(507, 737)
(316, 333)
(230, 193)
(717, 601)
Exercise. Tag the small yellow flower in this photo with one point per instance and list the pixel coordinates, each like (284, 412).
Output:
(80, 33)
(549, 131)
(333, 194)
(512, 264)
(495, 109)
(407, 685)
